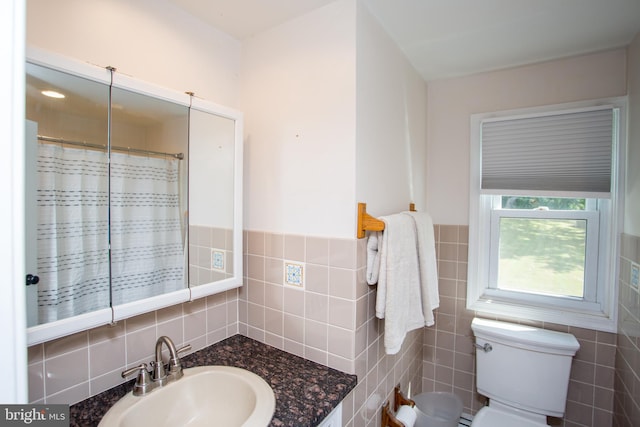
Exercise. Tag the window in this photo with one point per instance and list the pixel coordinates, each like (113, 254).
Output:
(544, 216)
(546, 248)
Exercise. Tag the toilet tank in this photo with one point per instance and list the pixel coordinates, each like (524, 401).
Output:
(527, 368)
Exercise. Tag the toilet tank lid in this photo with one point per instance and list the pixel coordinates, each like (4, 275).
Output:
(526, 336)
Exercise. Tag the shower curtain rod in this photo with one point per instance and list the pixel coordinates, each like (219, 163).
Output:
(178, 156)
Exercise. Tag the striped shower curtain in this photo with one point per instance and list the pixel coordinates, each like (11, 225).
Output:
(147, 251)
(73, 231)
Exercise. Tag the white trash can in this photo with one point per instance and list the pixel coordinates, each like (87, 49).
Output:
(438, 409)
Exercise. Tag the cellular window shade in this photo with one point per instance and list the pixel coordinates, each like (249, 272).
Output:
(564, 153)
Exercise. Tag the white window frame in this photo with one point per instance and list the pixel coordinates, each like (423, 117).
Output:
(598, 310)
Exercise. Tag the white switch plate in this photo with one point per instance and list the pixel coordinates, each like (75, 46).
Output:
(634, 277)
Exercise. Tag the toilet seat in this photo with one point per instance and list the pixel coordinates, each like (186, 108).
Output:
(491, 417)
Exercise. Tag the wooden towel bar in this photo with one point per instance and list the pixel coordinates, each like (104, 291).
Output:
(368, 223)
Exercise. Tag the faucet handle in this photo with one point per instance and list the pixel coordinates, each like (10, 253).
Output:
(175, 361)
(183, 349)
(175, 365)
(143, 383)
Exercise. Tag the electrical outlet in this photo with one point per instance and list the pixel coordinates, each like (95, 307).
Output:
(634, 277)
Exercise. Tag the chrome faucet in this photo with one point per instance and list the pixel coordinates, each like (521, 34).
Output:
(160, 375)
(146, 383)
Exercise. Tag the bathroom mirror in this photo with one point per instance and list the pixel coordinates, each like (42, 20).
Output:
(215, 149)
(211, 219)
(148, 195)
(66, 217)
(116, 170)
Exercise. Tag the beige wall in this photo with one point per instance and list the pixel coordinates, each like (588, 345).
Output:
(632, 200)
(452, 101)
(330, 321)
(449, 356)
(449, 360)
(627, 383)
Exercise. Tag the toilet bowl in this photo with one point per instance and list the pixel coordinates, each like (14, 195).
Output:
(523, 370)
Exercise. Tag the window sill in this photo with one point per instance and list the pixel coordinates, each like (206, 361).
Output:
(587, 320)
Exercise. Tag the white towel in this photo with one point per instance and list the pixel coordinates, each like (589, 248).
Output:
(373, 257)
(428, 265)
(398, 298)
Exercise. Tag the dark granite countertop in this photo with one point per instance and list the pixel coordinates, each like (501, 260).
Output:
(305, 391)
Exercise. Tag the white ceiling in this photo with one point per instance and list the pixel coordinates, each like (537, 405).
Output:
(446, 38)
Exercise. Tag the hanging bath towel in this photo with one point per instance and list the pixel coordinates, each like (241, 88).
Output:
(428, 265)
(399, 299)
(373, 257)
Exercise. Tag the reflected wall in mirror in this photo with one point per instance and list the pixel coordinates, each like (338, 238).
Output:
(211, 219)
(108, 197)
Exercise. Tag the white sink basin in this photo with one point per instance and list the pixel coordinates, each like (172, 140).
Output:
(205, 396)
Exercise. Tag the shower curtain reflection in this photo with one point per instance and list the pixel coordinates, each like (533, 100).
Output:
(72, 255)
(147, 248)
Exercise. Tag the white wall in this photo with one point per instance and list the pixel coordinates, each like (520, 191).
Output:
(299, 101)
(332, 117)
(151, 40)
(13, 354)
(391, 126)
(632, 198)
(452, 101)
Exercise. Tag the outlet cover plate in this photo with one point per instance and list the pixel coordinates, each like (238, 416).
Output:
(634, 277)
(294, 274)
(217, 259)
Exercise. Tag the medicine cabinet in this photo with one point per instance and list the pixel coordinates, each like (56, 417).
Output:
(132, 196)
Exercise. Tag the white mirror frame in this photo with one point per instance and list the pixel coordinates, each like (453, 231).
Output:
(57, 329)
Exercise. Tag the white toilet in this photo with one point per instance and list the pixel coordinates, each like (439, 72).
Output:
(524, 371)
